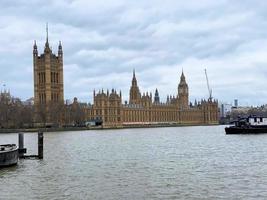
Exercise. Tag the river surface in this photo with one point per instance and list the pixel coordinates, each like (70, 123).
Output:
(152, 163)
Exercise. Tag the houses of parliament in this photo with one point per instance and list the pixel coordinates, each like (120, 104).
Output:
(108, 109)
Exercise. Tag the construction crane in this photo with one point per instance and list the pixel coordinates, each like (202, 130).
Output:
(209, 89)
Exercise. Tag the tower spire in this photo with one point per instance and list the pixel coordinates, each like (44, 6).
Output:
(182, 76)
(47, 32)
(34, 45)
(156, 97)
(135, 95)
(47, 49)
(134, 81)
(46, 43)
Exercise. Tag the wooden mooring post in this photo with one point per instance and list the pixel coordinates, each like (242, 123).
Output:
(23, 150)
(40, 145)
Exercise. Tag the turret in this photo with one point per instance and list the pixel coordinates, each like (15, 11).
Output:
(35, 50)
(60, 52)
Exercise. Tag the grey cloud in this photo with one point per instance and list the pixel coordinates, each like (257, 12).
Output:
(104, 40)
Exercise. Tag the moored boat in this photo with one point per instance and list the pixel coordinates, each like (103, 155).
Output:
(8, 155)
(249, 125)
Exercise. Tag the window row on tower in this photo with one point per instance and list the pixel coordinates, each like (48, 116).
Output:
(54, 77)
(54, 97)
(42, 98)
(41, 77)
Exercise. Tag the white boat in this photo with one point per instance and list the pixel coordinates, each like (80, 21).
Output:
(8, 155)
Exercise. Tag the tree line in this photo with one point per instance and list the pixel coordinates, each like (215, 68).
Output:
(14, 113)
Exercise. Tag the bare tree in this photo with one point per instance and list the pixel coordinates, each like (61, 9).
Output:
(41, 114)
(13, 113)
(56, 111)
(77, 114)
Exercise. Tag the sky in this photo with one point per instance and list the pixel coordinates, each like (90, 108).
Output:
(104, 40)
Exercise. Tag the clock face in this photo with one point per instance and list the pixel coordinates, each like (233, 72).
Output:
(183, 90)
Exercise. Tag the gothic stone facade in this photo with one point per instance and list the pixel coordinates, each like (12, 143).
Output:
(143, 110)
(48, 82)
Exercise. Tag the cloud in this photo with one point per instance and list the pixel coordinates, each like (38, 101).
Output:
(104, 40)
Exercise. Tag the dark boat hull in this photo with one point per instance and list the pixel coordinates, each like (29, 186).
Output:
(245, 130)
(9, 158)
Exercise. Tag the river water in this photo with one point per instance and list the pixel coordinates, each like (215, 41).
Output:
(157, 163)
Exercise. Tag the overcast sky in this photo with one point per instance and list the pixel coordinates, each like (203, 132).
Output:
(104, 40)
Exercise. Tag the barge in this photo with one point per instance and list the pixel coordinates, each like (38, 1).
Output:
(248, 125)
(8, 155)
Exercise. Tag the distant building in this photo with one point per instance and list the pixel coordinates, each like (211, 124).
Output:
(28, 102)
(236, 103)
(240, 109)
(5, 94)
(225, 109)
(68, 102)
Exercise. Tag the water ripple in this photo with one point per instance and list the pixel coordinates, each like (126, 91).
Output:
(162, 163)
